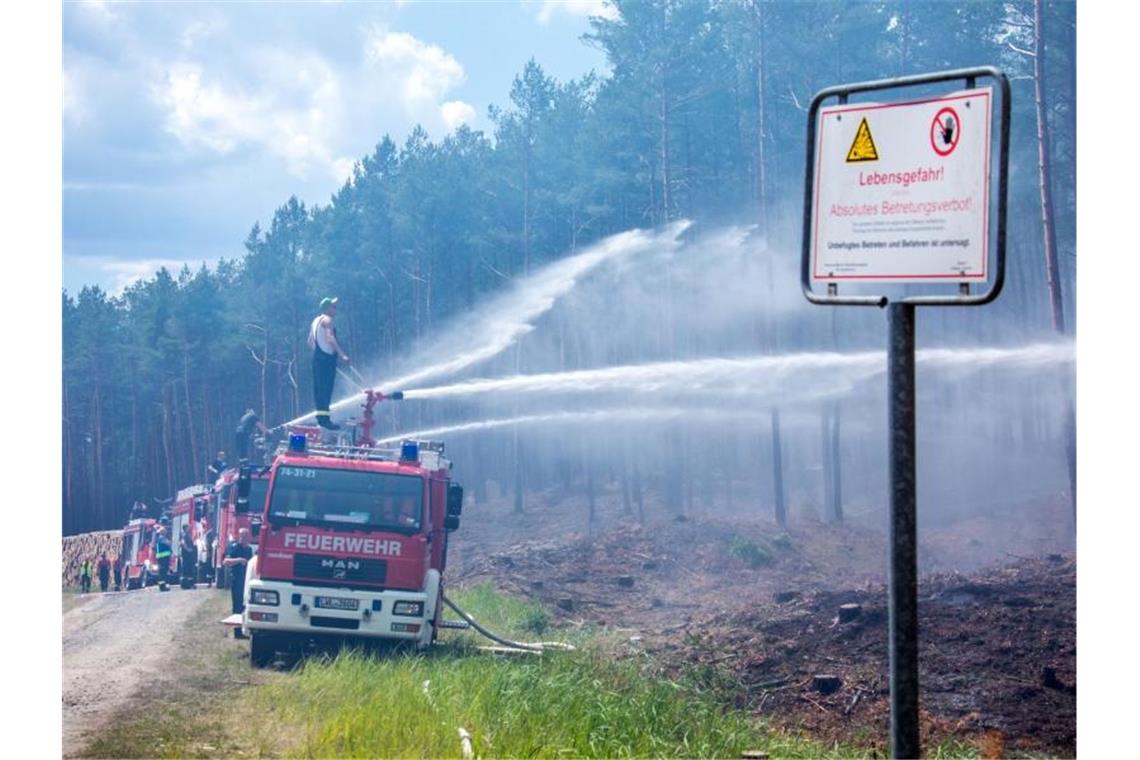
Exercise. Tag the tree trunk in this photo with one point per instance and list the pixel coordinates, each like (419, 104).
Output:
(778, 471)
(836, 467)
(190, 413)
(166, 440)
(762, 197)
(825, 458)
(98, 420)
(520, 480)
(1051, 269)
(664, 117)
(68, 504)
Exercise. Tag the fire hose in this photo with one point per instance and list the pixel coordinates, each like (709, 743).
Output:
(536, 646)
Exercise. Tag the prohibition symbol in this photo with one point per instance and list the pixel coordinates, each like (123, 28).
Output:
(863, 146)
(945, 131)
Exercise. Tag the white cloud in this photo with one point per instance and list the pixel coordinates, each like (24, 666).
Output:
(426, 72)
(456, 112)
(99, 9)
(294, 115)
(122, 273)
(550, 8)
(74, 106)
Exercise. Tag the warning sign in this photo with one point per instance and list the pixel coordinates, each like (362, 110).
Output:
(911, 202)
(863, 146)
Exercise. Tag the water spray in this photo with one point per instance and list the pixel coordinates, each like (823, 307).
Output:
(505, 319)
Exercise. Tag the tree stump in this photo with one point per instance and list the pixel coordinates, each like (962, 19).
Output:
(566, 603)
(625, 581)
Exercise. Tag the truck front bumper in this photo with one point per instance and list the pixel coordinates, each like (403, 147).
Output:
(307, 610)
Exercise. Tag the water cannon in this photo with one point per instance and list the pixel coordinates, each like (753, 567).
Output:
(371, 398)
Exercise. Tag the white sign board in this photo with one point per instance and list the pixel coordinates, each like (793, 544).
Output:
(902, 190)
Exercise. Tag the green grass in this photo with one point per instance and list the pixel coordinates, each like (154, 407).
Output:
(579, 704)
(575, 704)
(409, 704)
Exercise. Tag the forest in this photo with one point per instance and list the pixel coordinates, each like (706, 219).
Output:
(701, 117)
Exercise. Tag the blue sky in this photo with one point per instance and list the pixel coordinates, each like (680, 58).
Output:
(185, 123)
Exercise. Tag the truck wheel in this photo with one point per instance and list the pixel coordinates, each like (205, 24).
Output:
(262, 649)
(133, 584)
(146, 579)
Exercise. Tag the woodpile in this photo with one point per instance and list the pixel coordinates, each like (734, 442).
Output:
(90, 546)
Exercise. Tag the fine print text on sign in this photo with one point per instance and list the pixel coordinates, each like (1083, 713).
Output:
(902, 190)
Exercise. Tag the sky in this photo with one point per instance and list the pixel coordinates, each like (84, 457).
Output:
(186, 123)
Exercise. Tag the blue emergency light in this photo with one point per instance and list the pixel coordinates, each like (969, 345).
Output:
(297, 442)
(409, 451)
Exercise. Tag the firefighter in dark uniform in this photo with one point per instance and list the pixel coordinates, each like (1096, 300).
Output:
(326, 350)
(188, 562)
(244, 433)
(238, 555)
(162, 552)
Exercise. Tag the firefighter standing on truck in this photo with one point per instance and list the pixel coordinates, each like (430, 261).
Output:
(238, 555)
(244, 433)
(326, 349)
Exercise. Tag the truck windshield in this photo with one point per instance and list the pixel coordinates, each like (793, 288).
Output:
(352, 497)
(257, 489)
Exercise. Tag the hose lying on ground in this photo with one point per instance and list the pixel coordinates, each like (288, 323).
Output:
(537, 646)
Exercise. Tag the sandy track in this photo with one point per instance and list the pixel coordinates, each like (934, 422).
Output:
(115, 646)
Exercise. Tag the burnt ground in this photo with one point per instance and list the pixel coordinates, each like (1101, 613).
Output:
(746, 606)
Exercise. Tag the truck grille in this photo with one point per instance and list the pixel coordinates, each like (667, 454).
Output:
(346, 571)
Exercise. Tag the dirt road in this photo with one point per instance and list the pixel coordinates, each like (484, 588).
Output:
(115, 646)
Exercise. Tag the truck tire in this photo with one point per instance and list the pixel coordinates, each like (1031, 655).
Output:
(133, 584)
(262, 649)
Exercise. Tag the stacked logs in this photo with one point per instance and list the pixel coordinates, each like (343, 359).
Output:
(88, 546)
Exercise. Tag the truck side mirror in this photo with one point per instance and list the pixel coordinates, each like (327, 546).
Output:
(451, 522)
(255, 527)
(454, 500)
(241, 505)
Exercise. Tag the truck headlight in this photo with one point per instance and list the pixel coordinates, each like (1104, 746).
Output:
(411, 609)
(261, 596)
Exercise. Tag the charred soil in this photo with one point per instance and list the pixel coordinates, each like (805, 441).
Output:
(756, 611)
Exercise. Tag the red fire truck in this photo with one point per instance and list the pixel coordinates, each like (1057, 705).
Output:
(191, 504)
(139, 566)
(227, 516)
(353, 543)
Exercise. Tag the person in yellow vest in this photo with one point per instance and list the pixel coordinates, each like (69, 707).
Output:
(85, 576)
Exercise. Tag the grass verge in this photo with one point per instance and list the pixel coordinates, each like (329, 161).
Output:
(408, 704)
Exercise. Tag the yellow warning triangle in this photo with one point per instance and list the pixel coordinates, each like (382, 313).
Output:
(863, 147)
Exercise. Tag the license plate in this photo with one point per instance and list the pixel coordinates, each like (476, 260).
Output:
(337, 603)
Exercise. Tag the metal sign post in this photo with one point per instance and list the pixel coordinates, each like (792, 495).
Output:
(901, 192)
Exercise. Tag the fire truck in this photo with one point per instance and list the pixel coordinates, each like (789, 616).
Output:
(139, 566)
(191, 504)
(227, 516)
(353, 542)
